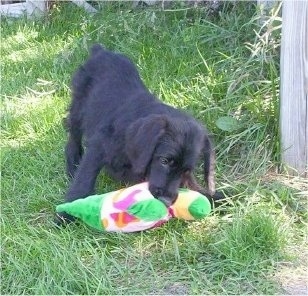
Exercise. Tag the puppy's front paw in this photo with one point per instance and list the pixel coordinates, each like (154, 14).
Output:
(219, 196)
(63, 219)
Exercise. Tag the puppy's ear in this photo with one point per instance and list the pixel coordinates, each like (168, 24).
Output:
(209, 165)
(141, 139)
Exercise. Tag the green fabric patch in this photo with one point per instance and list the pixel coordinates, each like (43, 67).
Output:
(183, 190)
(148, 210)
(87, 209)
(200, 207)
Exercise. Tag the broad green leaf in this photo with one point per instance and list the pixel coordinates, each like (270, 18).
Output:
(228, 124)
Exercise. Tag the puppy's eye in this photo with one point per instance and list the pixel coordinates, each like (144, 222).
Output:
(166, 161)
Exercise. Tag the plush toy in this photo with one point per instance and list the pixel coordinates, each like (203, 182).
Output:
(135, 209)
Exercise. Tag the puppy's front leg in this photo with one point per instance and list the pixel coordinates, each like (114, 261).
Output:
(190, 182)
(84, 181)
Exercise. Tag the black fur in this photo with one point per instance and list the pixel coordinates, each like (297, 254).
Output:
(130, 133)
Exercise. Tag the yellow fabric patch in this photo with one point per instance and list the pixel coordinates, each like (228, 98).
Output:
(181, 205)
(105, 223)
(117, 195)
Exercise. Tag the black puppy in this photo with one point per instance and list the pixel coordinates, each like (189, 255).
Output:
(130, 133)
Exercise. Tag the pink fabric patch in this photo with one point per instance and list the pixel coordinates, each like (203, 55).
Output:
(171, 212)
(125, 203)
(123, 218)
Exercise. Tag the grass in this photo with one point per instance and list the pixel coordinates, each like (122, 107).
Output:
(224, 70)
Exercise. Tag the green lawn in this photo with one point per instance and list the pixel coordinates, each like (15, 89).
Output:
(224, 69)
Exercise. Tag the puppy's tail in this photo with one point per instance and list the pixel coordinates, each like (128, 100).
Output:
(83, 77)
(80, 84)
(97, 48)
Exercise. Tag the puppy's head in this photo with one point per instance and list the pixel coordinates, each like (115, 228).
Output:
(166, 151)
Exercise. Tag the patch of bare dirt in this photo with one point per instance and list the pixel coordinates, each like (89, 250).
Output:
(176, 288)
(293, 277)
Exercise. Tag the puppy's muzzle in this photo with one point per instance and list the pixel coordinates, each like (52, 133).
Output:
(160, 194)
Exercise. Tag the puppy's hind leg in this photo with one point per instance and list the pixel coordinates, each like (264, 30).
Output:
(73, 149)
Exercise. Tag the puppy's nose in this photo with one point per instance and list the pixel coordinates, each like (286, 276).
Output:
(156, 191)
(159, 192)
(161, 195)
